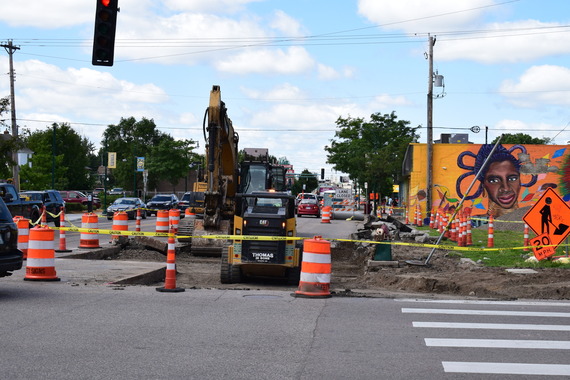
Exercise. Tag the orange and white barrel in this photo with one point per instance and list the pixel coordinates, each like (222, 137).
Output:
(326, 214)
(162, 221)
(315, 269)
(40, 265)
(120, 223)
(174, 218)
(525, 237)
(23, 225)
(90, 221)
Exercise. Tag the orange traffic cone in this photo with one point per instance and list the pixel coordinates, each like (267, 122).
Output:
(491, 233)
(23, 225)
(315, 269)
(170, 277)
(62, 239)
(40, 265)
(138, 222)
(526, 240)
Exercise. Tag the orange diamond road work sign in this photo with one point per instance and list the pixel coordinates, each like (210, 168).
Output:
(550, 216)
(541, 246)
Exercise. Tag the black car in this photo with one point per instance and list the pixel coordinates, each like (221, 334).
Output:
(52, 200)
(193, 200)
(11, 258)
(161, 202)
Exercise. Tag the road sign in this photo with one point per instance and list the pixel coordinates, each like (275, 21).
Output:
(541, 246)
(550, 216)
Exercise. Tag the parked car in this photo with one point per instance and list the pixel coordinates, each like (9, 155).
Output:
(129, 205)
(17, 205)
(77, 197)
(98, 191)
(162, 202)
(309, 207)
(11, 258)
(117, 191)
(52, 201)
(193, 200)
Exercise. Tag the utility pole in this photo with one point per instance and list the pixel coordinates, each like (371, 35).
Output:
(10, 48)
(429, 181)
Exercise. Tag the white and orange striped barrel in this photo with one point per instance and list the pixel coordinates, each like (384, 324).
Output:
(315, 268)
(40, 265)
(89, 220)
(120, 223)
(162, 221)
(326, 214)
(23, 225)
(174, 218)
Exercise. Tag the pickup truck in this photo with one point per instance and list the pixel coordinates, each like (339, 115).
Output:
(18, 206)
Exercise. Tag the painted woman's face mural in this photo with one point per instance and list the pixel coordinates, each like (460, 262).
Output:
(502, 185)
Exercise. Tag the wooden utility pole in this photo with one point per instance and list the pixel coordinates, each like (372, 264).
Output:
(429, 179)
(10, 48)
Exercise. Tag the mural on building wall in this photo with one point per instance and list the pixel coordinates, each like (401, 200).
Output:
(515, 176)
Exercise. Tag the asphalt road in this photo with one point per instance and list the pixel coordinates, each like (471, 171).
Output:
(59, 331)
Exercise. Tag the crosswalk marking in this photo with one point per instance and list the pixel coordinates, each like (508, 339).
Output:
(487, 312)
(498, 343)
(475, 311)
(491, 326)
(508, 368)
(486, 302)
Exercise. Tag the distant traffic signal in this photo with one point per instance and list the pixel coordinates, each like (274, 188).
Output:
(322, 173)
(104, 37)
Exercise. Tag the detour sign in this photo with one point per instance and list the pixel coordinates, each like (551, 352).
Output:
(550, 216)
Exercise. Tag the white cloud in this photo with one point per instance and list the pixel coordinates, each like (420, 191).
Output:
(539, 86)
(326, 72)
(287, 24)
(294, 60)
(419, 16)
(46, 14)
(217, 6)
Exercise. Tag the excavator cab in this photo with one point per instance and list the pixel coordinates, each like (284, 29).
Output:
(262, 214)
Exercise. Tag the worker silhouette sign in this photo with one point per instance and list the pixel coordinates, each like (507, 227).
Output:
(546, 216)
(550, 216)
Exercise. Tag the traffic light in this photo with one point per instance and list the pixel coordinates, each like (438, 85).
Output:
(322, 173)
(104, 37)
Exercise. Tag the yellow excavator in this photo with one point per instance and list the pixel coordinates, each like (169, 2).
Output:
(246, 198)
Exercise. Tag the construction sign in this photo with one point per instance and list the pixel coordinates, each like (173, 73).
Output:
(542, 248)
(550, 216)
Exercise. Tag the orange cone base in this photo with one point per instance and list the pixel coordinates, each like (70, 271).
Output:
(88, 244)
(312, 290)
(41, 274)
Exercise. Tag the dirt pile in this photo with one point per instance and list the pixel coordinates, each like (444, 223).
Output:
(352, 274)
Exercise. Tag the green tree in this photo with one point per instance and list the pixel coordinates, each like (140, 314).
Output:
(522, 138)
(7, 143)
(306, 178)
(371, 151)
(74, 159)
(165, 158)
(171, 159)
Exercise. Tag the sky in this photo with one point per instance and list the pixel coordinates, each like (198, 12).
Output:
(288, 69)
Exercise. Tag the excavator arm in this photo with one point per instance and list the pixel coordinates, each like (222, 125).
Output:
(222, 162)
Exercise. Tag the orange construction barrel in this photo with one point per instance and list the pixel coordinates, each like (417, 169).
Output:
(40, 265)
(23, 225)
(162, 222)
(174, 218)
(120, 223)
(89, 220)
(315, 269)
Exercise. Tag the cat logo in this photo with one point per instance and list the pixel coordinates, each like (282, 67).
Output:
(263, 222)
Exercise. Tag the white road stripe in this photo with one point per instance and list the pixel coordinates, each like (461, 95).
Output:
(491, 326)
(483, 302)
(508, 368)
(498, 343)
(486, 312)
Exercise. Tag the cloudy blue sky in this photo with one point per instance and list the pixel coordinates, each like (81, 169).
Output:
(289, 68)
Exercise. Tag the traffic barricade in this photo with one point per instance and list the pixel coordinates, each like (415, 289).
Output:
(23, 225)
(120, 223)
(174, 219)
(162, 222)
(89, 240)
(315, 269)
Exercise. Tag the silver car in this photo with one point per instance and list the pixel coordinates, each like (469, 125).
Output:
(129, 205)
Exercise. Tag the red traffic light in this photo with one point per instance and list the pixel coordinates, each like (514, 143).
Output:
(106, 3)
